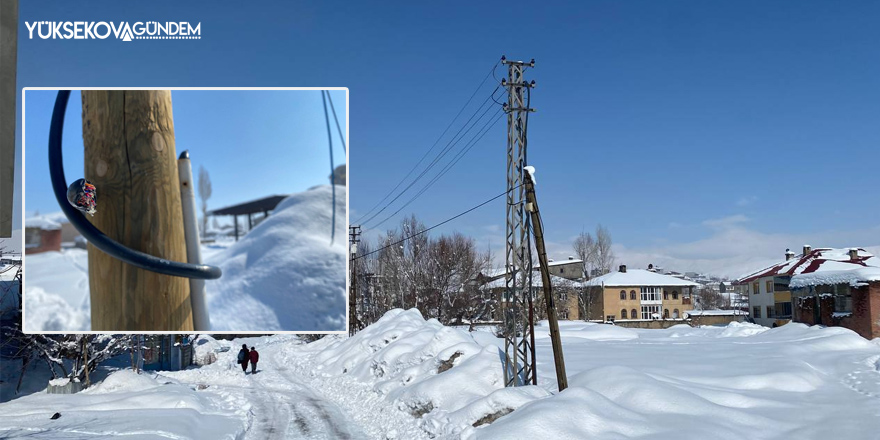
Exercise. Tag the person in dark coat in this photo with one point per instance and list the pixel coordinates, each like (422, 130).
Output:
(254, 357)
(243, 357)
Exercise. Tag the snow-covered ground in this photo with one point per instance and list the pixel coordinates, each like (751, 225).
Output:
(407, 377)
(283, 275)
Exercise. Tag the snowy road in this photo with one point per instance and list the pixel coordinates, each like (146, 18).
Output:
(217, 401)
(279, 402)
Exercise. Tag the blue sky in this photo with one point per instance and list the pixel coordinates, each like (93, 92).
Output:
(253, 143)
(693, 130)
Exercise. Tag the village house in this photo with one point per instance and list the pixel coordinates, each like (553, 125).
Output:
(771, 293)
(839, 287)
(565, 291)
(767, 289)
(41, 235)
(638, 294)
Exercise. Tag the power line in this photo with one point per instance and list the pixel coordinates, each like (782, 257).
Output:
(491, 71)
(458, 156)
(338, 128)
(452, 143)
(332, 168)
(432, 227)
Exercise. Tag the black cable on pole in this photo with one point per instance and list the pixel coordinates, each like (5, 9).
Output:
(93, 234)
(338, 127)
(432, 146)
(435, 226)
(332, 169)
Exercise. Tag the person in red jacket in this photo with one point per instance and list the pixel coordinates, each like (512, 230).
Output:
(254, 357)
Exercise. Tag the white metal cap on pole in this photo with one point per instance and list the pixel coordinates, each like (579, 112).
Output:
(201, 321)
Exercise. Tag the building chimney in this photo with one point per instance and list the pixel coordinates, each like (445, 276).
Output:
(853, 253)
(788, 254)
(622, 268)
(807, 249)
(650, 266)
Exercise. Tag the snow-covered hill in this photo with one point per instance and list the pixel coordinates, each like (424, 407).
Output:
(285, 274)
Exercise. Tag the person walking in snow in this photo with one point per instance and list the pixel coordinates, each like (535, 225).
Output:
(243, 357)
(254, 357)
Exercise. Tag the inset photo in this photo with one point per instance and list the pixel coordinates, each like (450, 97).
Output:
(183, 210)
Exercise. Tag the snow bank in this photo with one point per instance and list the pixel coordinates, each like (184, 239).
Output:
(285, 274)
(124, 404)
(733, 382)
(56, 293)
(123, 381)
(48, 312)
(431, 371)
(587, 330)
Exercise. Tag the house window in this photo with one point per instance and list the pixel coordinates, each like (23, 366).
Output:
(634, 314)
(674, 294)
(675, 313)
(770, 311)
(769, 286)
(756, 288)
(842, 299)
(623, 294)
(623, 314)
(651, 293)
(665, 313)
(783, 310)
(609, 318)
(632, 294)
(650, 312)
(665, 295)
(756, 312)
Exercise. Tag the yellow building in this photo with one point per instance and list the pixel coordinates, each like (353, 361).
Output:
(637, 295)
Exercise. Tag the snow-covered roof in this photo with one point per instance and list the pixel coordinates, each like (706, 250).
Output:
(536, 281)
(41, 222)
(823, 259)
(562, 262)
(637, 277)
(854, 276)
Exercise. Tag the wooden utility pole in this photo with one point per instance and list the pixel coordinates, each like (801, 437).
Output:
(538, 227)
(130, 158)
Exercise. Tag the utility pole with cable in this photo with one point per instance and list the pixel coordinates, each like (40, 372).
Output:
(516, 303)
(538, 229)
(354, 234)
(128, 136)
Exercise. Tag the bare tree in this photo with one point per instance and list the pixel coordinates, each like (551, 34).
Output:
(585, 248)
(710, 298)
(204, 194)
(604, 254)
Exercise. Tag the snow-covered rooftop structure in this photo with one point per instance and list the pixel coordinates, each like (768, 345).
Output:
(637, 277)
(828, 262)
(41, 222)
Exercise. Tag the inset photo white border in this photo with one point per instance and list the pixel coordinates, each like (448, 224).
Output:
(159, 332)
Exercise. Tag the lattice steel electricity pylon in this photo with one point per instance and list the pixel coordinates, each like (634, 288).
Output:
(516, 302)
